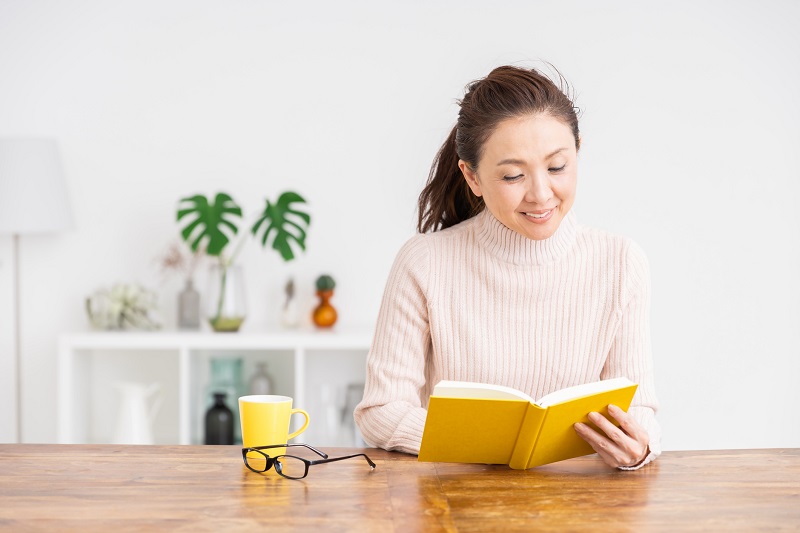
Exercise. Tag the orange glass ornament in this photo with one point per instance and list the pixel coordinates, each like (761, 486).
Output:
(325, 314)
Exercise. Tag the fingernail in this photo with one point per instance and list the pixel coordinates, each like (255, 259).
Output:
(611, 407)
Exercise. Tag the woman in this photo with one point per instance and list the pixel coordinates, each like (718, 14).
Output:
(503, 286)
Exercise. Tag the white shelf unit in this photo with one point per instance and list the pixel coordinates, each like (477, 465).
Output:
(314, 367)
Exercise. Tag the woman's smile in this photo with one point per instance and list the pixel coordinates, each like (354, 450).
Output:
(540, 216)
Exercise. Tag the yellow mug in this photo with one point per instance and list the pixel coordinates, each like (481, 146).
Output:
(265, 419)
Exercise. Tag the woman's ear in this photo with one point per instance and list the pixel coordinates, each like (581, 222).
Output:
(471, 176)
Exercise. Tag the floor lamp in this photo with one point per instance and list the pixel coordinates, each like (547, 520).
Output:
(33, 199)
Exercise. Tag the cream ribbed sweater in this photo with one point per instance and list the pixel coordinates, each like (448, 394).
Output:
(480, 302)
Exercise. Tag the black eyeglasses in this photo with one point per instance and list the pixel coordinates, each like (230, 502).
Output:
(289, 466)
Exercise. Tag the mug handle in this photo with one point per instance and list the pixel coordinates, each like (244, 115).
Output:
(302, 429)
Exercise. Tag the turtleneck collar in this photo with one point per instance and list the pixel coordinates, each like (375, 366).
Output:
(514, 248)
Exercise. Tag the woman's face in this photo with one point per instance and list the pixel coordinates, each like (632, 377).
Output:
(527, 174)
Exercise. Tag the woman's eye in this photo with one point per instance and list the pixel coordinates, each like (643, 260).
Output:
(512, 178)
(557, 169)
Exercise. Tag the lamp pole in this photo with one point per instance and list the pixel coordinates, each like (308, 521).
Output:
(17, 334)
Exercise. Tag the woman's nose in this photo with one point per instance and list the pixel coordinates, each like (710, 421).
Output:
(538, 191)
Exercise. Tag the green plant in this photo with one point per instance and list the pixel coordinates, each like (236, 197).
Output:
(325, 283)
(212, 223)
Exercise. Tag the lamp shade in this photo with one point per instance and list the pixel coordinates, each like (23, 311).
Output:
(33, 192)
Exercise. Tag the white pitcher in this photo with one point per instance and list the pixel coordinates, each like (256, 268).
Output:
(135, 418)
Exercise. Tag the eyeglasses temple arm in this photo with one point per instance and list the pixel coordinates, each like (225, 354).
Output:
(259, 448)
(332, 459)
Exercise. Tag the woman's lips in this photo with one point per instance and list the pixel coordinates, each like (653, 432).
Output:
(539, 216)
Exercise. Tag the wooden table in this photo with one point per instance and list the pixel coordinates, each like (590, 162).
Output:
(207, 488)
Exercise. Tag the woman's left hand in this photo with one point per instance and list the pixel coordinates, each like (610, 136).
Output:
(626, 445)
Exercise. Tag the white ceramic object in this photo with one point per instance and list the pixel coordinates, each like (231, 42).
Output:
(139, 405)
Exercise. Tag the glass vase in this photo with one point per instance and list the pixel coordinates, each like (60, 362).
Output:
(261, 382)
(189, 307)
(226, 307)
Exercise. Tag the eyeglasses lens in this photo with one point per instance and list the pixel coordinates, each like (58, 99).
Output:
(292, 466)
(257, 461)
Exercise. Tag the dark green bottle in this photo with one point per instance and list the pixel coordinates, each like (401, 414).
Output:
(219, 421)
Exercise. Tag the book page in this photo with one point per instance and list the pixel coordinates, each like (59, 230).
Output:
(585, 389)
(466, 389)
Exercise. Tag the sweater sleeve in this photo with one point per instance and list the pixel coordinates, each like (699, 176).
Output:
(631, 352)
(390, 415)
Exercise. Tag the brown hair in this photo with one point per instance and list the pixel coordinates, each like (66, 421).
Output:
(507, 92)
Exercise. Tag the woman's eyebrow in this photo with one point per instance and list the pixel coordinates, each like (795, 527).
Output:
(522, 162)
(511, 162)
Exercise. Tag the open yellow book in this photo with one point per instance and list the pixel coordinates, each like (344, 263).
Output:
(492, 424)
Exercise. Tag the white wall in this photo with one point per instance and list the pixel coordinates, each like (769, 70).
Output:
(690, 131)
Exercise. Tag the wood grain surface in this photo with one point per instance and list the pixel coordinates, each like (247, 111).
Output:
(207, 488)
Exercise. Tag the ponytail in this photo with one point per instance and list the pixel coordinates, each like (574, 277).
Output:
(446, 199)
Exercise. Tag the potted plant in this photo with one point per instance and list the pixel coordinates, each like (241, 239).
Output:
(324, 314)
(215, 225)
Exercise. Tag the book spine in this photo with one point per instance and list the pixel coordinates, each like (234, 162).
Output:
(529, 461)
(526, 439)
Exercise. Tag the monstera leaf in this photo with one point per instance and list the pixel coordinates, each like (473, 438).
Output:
(211, 218)
(283, 224)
